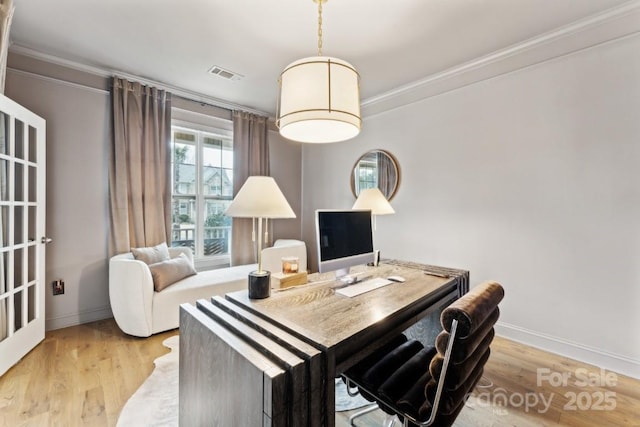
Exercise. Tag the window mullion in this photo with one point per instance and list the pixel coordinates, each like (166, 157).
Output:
(206, 191)
(199, 196)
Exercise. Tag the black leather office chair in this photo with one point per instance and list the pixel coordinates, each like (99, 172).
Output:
(429, 385)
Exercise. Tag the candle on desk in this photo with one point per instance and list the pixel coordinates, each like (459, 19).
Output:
(290, 264)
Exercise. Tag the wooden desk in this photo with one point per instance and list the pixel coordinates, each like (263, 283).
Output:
(345, 329)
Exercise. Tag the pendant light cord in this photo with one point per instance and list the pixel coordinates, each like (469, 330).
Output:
(320, 27)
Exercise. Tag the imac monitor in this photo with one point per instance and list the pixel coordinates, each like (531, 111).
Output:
(344, 238)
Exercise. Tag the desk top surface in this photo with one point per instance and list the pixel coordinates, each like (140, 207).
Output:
(315, 312)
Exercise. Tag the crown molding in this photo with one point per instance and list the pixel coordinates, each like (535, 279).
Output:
(611, 24)
(56, 80)
(108, 73)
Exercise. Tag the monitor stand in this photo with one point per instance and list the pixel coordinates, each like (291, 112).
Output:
(342, 274)
(349, 279)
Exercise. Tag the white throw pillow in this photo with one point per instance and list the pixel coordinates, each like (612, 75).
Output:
(151, 255)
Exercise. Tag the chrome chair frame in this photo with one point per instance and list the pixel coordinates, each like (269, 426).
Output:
(436, 400)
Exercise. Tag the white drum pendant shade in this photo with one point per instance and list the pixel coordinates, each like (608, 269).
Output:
(319, 100)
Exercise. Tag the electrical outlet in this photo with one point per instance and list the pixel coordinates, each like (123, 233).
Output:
(58, 287)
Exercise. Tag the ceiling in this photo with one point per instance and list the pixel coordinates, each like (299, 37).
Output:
(175, 43)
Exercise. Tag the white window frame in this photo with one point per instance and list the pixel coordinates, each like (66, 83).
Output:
(224, 130)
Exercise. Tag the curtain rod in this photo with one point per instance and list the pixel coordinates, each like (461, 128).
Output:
(190, 95)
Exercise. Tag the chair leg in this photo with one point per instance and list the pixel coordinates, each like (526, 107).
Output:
(365, 411)
(389, 420)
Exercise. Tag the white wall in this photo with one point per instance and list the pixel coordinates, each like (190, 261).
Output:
(77, 194)
(77, 109)
(529, 178)
(285, 159)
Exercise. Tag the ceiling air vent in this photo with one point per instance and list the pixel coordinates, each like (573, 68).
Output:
(225, 74)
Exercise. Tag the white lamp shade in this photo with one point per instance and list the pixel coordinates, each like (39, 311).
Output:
(319, 100)
(372, 199)
(260, 197)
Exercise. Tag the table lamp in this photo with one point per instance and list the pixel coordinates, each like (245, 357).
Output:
(372, 199)
(260, 198)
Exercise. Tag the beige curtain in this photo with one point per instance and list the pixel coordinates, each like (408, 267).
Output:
(139, 172)
(6, 15)
(386, 174)
(250, 157)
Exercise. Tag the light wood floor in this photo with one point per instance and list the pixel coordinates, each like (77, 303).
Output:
(518, 373)
(78, 376)
(83, 375)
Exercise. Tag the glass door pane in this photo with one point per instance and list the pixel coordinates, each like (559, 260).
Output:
(22, 202)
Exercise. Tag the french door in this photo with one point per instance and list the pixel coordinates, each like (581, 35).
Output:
(22, 227)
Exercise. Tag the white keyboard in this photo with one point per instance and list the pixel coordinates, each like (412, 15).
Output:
(364, 286)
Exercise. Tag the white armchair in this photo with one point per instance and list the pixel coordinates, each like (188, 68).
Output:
(141, 311)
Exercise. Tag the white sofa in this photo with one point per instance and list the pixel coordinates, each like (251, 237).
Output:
(141, 311)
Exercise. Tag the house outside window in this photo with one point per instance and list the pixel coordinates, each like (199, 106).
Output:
(202, 189)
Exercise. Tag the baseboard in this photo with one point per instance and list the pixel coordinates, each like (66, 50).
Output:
(74, 319)
(597, 357)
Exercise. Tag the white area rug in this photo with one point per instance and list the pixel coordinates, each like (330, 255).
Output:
(155, 403)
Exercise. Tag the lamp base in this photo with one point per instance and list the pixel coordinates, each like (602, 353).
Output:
(259, 284)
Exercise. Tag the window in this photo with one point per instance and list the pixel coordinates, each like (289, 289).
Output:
(366, 173)
(202, 178)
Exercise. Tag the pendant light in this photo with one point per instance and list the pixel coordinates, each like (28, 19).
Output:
(319, 98)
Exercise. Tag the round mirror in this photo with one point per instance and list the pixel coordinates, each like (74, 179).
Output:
(376, 168)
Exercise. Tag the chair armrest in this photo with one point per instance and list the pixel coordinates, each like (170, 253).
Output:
(131, 295)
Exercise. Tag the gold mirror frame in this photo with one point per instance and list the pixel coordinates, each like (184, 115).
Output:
(372, 163)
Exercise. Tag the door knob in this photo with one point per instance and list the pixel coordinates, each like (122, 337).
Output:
(46, 240)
